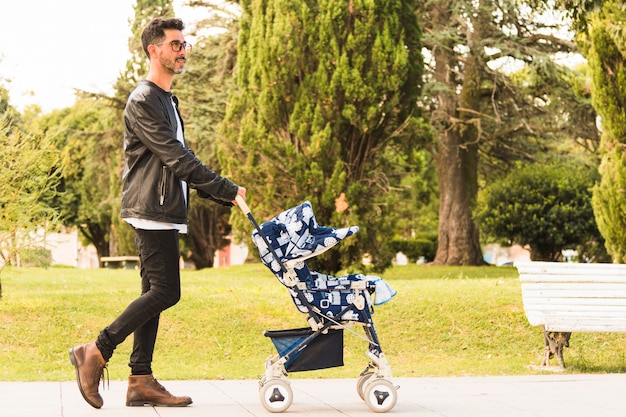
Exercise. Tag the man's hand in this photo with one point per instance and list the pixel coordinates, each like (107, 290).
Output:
(241, 192)
(240, 201)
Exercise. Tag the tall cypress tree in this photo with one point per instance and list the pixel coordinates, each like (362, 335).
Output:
(605, 52)
(326, 95)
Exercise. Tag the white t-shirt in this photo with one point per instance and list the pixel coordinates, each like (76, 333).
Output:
(145, 224)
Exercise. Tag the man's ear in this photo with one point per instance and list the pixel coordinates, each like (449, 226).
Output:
(151, 50)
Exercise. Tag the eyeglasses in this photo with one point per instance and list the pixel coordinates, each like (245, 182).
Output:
(177, 45)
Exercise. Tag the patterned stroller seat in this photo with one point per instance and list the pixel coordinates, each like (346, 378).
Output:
(295, 236)
(285, 243)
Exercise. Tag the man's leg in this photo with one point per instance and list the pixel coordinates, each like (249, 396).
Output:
(160, 279)
(160, 290)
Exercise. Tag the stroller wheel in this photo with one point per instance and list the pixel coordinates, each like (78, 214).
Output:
(380, 395)
(360, 385)
(276, 395)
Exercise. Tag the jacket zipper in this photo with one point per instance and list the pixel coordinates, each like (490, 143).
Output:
(162, 186)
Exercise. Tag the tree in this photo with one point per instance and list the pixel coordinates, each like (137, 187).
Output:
(478, 112)
(604, 44)
(325, 100)
(203, 91)
(29, 173)
(86, 135)
(547, 207)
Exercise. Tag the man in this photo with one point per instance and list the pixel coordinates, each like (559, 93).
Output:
(159, 169)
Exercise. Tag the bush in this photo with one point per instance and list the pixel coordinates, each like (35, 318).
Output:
(547, 207)
(425, 246)
(38, 257)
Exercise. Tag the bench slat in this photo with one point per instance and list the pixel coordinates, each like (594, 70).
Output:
(584, 327)
(561, 303)
(581, 313)
(564, 268)
(596, 269)
(572, 279)
(576, 322)
(590, 310)
(575, 293)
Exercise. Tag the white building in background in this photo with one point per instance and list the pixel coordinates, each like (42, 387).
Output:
(62, 248)
(67, 249)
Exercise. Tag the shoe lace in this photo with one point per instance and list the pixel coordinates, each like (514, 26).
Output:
(102, 378)
(159, 386)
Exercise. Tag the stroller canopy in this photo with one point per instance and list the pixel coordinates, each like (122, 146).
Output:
(295, 234)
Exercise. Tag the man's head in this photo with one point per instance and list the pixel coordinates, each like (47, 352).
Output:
(164, 43)
(154, 32)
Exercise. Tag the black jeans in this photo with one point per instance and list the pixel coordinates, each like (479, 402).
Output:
(159, 255)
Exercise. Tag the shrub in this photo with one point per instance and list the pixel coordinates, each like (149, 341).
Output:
(547, 207)
(425, 246)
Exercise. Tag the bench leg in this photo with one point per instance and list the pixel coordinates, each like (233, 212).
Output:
(555, 342)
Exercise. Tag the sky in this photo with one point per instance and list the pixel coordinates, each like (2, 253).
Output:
(48, 48)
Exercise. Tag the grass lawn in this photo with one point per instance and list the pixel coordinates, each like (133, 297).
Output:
(445, 321)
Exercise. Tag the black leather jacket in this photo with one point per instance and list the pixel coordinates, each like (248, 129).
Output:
(156, 161)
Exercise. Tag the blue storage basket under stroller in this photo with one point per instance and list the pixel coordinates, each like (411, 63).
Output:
(331, 303)
(325, 351)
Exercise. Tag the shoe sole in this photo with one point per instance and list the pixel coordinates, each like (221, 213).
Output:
(80, 387)
(153, 404)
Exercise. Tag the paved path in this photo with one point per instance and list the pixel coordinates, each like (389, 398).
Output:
(519, 396)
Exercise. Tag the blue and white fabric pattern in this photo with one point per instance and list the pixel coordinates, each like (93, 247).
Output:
(296, 236)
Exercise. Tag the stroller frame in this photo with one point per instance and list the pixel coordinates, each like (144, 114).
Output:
(373, 386)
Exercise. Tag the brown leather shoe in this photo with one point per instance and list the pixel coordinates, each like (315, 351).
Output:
(145, 390)
(89, 365)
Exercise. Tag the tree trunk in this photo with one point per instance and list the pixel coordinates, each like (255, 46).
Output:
(458, 242)
(208, 228)
(457, 153)
(203, 255)
(98, 235)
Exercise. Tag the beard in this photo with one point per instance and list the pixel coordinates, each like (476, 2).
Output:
(173, 66)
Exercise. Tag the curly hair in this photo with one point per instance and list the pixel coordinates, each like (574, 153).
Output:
(155, 31)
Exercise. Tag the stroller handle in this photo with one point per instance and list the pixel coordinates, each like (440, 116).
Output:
(241, 202)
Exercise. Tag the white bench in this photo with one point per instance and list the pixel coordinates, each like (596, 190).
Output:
(572, 297)
(116, 262)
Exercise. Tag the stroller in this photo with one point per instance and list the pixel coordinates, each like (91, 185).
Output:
(333, 304)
